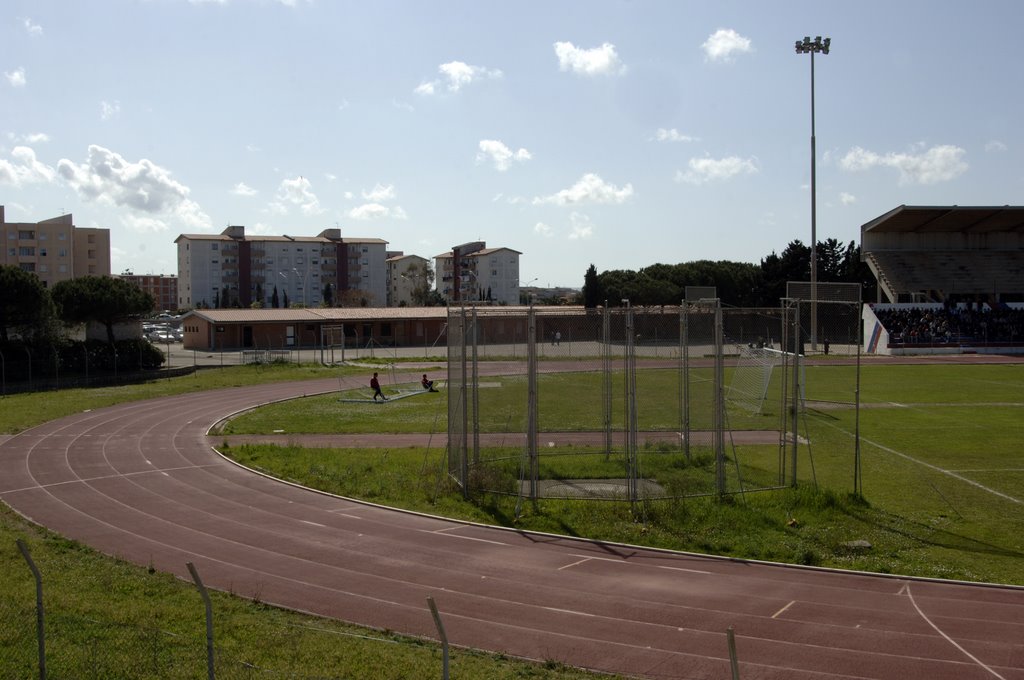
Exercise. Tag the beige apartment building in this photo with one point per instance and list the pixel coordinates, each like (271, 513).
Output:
(472, 272)
(163, 288)
(55, 249)
(232, 269)
(407, 274)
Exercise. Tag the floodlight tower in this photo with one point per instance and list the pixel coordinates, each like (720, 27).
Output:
(808, 46)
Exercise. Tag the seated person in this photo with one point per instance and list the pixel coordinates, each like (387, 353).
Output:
(427, 384)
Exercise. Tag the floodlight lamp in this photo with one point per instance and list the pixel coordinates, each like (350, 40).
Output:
(799, 47)
(824, 49)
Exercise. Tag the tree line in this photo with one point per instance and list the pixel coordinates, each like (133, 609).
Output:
(738, 284)
(36, 321)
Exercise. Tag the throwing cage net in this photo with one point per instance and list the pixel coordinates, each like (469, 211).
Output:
(625, 404)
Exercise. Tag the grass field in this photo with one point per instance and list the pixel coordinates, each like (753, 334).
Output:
(942, 469)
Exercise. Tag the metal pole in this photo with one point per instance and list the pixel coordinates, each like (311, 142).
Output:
(209, 619)
(734, 663)
(858, 480)
(814, 224)
(719, 415)
(476, 393)
(40, 613)
(444, 636)
(531, 403)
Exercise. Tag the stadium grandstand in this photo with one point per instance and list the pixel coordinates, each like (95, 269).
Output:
(950, 279)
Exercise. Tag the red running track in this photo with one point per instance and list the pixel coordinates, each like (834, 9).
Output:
(140, 482)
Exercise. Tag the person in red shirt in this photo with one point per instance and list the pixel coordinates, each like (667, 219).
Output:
(375, 385)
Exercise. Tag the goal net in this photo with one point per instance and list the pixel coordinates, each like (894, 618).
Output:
(752, 375)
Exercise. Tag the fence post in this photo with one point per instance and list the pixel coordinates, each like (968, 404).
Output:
(40, 614)
(733, 661)
(444, 637)
(209, 619)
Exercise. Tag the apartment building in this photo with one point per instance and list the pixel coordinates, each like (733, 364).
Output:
(407, 275)
(55, 249)
(472, 272)
(231, 269)
(163, 288)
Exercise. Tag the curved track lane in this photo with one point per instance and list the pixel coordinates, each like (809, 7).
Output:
(139, 481)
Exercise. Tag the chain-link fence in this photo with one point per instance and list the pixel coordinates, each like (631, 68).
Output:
(50, 629)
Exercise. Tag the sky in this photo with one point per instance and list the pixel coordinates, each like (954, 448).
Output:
(617, 133)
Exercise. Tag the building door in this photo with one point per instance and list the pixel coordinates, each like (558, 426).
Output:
(246, 336)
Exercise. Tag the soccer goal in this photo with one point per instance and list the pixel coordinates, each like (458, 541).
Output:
(752, 375)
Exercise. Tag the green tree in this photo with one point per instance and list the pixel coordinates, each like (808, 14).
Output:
(275, 301)
(422, 276)
(328, 295)
(103, 299)
(593, 294)
(25, 305)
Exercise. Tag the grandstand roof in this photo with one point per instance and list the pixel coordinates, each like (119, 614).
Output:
(949, 218)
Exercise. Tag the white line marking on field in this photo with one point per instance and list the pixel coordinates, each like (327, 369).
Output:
(465, 538)
(778, 613)
(944, 471)
(306, 521)
(949, 639)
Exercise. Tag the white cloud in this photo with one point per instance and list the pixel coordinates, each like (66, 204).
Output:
(581, 227)
(542, 229)
(343, 105)
(589, 189)
(299, 192)
(242, 189)
(724, 43)
(25, 168)
(380, 193)
(143, 186)
(144, 223)
(34, 30)
(30, 138)
(995, 146)
(673, 135)
(404, 106)
(937, 164)
(457, 74)
(109, 110)
(500, 155)
(846, 198)
(16, 78)
(703, 170)
(596, 61)
(376, 211)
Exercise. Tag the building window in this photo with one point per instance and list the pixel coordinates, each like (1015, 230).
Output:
(43, 268)
(91, 254)
(42, 236)
(214, 246)
(365, 249)
(91, 238)
(62, 268)
(11, 236)
(11, 252)
(28, 266)
(62, 252)
(42, 252)
(27, 235)
(26, 251)
(61, 236)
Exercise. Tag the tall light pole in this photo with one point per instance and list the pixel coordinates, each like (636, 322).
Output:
(808, 46)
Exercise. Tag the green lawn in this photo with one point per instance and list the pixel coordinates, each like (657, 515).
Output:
(941, 448)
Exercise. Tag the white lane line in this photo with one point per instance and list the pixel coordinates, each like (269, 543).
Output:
(949, 639)
(315, 524)
(619, 561)
(465, 538)
(568, 566)
(779, 613)
(692, 571)
(569, 611)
